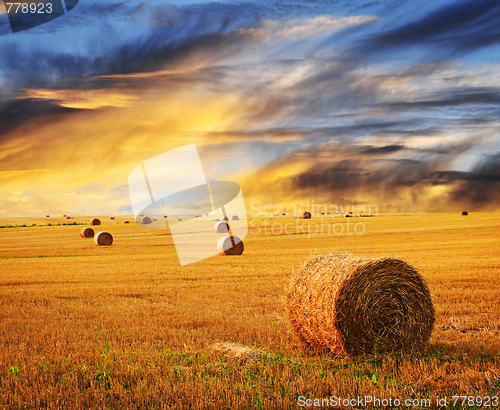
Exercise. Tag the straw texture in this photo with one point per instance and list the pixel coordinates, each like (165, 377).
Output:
(351, 305)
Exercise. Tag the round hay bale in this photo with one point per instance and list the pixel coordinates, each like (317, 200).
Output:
(112, 217)
(282, 214)
(87, 233)
(68, 217)
(146, 220)
(235, 218)
(64, 216)
(465, 213)
(47, 216)
(221, 227)
(307, 215)
(272, 217)
(95, 222)
(351, 305)
(322, 212)
(225, 218)
(126, 222)
(33, 225)
(103, 239)
(64, 224)
(154, 218)
(179, 219)
(225, 246)
(165, 216)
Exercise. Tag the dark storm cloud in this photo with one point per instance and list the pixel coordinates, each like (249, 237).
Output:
(15, 113)
(456, 27)
(386, 149)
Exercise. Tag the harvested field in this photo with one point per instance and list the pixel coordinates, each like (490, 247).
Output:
(125, 326)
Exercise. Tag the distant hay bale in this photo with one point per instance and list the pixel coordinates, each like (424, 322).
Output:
(64, 216)
(225, 218)
(271, 217)
(95, 222)
(221, 227)
(235, 218)
(351, 305)
(126, 222)
(465, 213)
(297, 216)
(68, 217)
(322, 212)
(87, 233)
(64, 224)
(179, 219)
(111, 217)
(307, 215)
(282, 214)
(165, 216)
(146, 220)
(276, 214)
(103, 239)
(33, 225)
(47, 216)
(154, 218)
(225, 246)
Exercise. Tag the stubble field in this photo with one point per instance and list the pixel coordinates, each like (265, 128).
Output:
(126, 326)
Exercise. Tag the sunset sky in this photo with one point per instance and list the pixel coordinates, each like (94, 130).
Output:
(379, 102)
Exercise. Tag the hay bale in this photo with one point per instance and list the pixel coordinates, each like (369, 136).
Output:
(353, 305)
(103, 239)
(322, 212)
(112, 217)
(307, 215)
(95, 222)
(225, 246)
(225, 218)
(47, 216)
(87, 233)
(282, 214)
(297, 216)
(179, 219)
(68, 217)
(221, 227)
(154, 218)
(235, 218)
(64, 224)
(465, 213)
(165, 216)
(272, 217)
(126, 222)
(64, 216)
(146, 220)
(33, 225)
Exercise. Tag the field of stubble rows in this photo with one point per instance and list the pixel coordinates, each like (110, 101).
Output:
(125, 326)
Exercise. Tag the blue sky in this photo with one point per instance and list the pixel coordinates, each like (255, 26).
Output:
(386, 102)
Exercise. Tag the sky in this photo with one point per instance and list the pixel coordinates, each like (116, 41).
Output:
(386, 103)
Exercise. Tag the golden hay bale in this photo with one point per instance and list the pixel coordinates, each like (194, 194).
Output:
(64, 216)
(271, 217)
(352, 305)
(64, 224)
(112, 217)
(126, 222)
(225, 246)
(221, 227)
(165, 216)
(33, 225)
(47, 216)
(95, 222)
(68, 217)
(103, 239)
(146, 220)
(225, 218)
(179, 219)
(307, 215)
(465, 213)
(154, 218)
(235, 218)
(87, 233)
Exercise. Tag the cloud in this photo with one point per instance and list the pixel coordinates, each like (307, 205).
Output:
(275, 31)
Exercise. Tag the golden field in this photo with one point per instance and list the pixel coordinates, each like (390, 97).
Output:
(126, 326)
